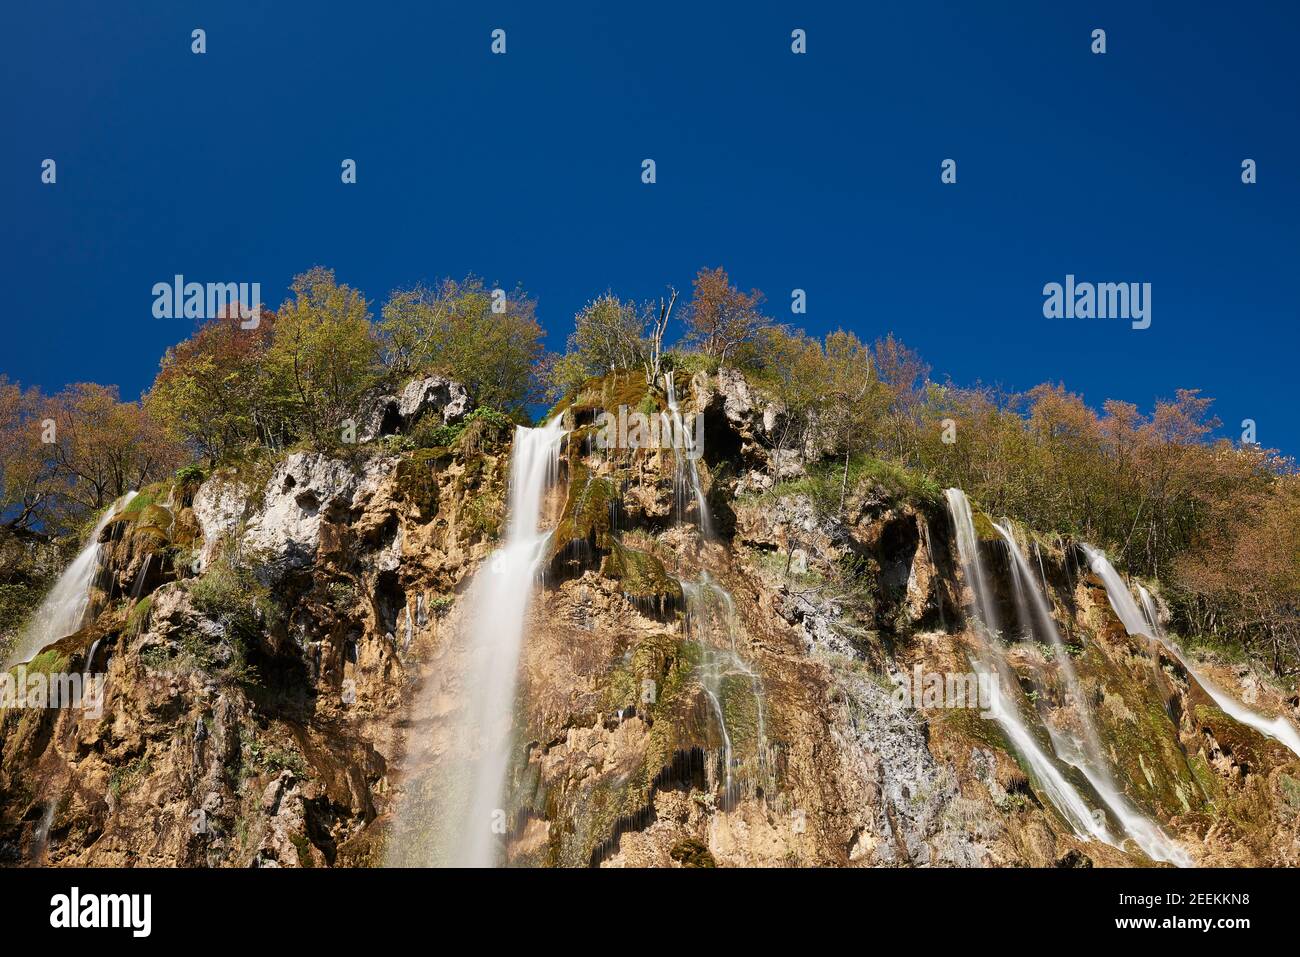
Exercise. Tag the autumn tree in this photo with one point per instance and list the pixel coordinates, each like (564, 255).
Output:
(790, 366)
(903, 374)
(1242, 581)
(104, 447)
(214, 390)
(853, 397)
(720, 318)
(28, 490)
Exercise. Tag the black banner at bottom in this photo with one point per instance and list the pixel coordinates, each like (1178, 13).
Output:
(932, 907)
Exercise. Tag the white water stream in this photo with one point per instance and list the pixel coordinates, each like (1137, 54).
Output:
(465, 810)
(1003, 709)
(711, 620)
(1086, 755)
(686, 467)
(64, 610)
(1137, 623)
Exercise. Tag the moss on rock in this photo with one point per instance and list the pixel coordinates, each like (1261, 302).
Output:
(642, 578)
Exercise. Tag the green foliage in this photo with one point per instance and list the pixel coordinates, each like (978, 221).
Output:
(230, 593)
(687, 364)
(323, 355)
(397, 443)
(482, 516)
(216, 392)
(17, 602)
(265, 758)
(692, 852)
(143, 500)
(453, 330)
(483, 422)
(825, 483)
(48, 663)
(138, 616)
(191, 475)
(609, 335)
(128, 776)
(343, 595)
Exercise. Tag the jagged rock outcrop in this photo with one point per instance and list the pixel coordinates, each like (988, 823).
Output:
(387, 414)
(304, 492)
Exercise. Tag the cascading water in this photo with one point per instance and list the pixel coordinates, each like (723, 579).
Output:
(711, 620)
(990, 659)
(1137, 623)
(686, 467)
(466, 798)
(1085, 755)
(64, 609)
(1121, 599)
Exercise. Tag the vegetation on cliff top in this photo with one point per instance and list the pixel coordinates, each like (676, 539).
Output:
(1218, 523)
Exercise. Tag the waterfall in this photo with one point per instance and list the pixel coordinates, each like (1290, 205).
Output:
(140, 578)
(63, 612)
(990, 659)
(1149, 610)
(687, 469)
(711, 620)
(968, 552)
(1121, 599)
(465, 812)
(1036, 616)
(1137, 623)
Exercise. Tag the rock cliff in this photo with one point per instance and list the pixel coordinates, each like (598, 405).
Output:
(683, 699)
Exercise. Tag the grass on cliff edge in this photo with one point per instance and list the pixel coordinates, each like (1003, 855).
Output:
(824, 481)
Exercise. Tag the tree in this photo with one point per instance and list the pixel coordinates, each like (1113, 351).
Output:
(104, 447)
(854, 397)
(27, 487)
(720, 318)
(608, 335)
(214, 390)
(491, 344)
(791, 367)
(323, 354)
(657, 325)
(904, 374)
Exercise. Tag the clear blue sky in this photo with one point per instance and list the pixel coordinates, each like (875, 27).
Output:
(818, 171)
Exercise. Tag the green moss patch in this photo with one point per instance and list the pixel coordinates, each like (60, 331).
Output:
(642, 578)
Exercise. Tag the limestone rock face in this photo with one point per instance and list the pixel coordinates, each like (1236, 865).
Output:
(305, 490)
(683, 700)
(388, 414)
(219, 506)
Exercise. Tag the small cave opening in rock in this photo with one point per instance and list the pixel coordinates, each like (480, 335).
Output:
(720, 441)
(388, 602)
(585, 416)
(899, 541)
(391, 422)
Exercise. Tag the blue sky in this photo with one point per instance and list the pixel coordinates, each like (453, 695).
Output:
(819, 172)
